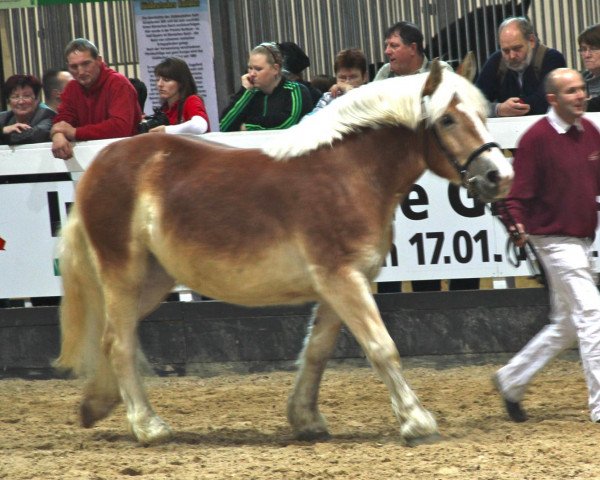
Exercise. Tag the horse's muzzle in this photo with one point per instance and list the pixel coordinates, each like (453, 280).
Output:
(489, 176)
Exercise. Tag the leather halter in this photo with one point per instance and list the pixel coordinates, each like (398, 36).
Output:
(461, 169)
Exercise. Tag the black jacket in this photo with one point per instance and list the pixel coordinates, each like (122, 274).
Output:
(284, 107)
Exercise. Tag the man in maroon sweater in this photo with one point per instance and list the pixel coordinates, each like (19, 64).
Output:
(553, 202)
(100, 103)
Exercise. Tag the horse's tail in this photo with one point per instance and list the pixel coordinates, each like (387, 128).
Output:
(81, 310)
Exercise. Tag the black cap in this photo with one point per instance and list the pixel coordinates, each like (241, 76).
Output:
(294, 58)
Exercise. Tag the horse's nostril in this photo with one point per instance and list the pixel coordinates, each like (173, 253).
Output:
(493, 176)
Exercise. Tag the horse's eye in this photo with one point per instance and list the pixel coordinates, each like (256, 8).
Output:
(446, 121)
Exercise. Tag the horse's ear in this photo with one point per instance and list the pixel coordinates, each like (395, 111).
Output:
(468, 67)
(434, 78)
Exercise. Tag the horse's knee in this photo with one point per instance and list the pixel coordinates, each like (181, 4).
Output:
(383, 355)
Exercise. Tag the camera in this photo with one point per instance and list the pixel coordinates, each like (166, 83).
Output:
(159, 118)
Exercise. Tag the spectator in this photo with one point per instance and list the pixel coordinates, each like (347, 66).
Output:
(54, 82)
(323, 82)
(512, 78)
(141, 90)
(589, 48)
(553, 203)
(266, 100)
(100, 103)
(180, 101)
(350, 68)
(295, 61)
(26, 121)
(404, 49)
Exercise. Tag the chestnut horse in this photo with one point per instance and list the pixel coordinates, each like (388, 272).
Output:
(307, 218)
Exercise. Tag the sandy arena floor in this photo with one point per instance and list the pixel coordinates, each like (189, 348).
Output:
(234, 426)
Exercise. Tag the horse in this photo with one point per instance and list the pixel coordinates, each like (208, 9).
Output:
(307, 218)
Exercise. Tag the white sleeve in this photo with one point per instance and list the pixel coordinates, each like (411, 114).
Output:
(196, 125)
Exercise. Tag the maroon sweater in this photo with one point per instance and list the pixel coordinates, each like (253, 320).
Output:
(109, 109)
(557, 179)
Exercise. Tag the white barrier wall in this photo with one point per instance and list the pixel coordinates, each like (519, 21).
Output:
(439, 231)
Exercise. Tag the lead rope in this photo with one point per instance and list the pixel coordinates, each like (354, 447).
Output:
(526, 252)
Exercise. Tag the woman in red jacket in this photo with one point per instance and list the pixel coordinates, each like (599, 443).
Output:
(180, 101)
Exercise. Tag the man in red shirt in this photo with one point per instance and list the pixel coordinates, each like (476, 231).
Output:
(553, 203)
(100, 103)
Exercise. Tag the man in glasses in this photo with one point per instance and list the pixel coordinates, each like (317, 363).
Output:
(100, 103)
(512, 79)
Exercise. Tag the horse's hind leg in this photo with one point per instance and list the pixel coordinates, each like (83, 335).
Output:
(348, 293)
(102, 392)
(303, 412)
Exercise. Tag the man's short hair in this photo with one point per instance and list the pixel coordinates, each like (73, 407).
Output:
(550, 84)
(50, 82)
(590, 36)
(409, 33)
(523, 24)
(81, 45)
(350, 58)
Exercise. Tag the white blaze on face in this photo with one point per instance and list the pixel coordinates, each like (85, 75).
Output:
(505, 170)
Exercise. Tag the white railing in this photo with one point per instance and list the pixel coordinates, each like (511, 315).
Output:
(31, 213)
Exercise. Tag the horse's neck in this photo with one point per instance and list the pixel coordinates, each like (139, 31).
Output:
(392, 156)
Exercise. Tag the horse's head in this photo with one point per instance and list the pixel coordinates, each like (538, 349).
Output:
(466, 152)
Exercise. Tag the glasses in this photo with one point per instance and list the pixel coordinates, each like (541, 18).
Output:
(584, 50)
(25, 98)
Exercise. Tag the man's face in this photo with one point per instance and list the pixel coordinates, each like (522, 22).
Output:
(399, 54)
(516, 49)
(351, 76)
(84, 68)
(570, 101)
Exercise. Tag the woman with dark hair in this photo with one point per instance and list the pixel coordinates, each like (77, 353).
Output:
(180, 100)
(26, 121)
(267, 100)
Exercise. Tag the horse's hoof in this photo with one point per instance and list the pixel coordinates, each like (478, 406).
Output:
(154, 432)
(424, 440)
(91, 410)
(313, 436)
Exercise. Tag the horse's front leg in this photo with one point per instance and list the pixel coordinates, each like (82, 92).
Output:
(303, 411)
(347, 291)
(120, 344)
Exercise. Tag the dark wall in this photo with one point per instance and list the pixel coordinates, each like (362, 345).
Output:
(189, 337)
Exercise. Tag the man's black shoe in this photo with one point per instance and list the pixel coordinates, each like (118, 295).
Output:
(514, 410)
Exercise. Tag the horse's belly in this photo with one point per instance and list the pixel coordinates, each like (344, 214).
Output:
(266, 278)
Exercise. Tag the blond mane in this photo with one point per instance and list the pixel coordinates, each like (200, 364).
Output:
(396, 101)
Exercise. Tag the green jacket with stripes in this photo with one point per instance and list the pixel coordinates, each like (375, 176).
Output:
(284, 107)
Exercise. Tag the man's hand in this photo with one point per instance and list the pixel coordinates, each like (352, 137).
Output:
(517, 234)
(65, 128)
(61, 147)
(513, 107)
(339, 89)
